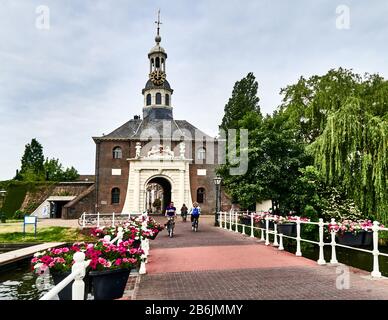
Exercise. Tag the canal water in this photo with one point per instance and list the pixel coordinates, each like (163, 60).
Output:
(19, 283)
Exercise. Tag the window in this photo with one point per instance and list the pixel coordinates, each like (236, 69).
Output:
(157, 60)
(201, 195)
(115, 196)
(167, 99)
(117, 153)
(148, 99)
(201, 154)
(158, 98)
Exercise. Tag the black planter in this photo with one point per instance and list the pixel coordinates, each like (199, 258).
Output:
(351, 239)
(368, 238)
(270, 224)
(66, 293)
(246, 221)
(288, 229)
(109, 284)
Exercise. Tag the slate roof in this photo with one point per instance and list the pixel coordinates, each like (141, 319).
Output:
(136, 129)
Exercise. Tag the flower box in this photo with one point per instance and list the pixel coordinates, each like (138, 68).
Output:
(67, 292)
(109, 284)
(368, 238)
(288, 229)
(351, 239)
(262, 224)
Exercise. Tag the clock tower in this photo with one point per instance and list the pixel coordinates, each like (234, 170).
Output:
(157, 92)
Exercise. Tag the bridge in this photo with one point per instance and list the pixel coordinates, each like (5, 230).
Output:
(221, 264)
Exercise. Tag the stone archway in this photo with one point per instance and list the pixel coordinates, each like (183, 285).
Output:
(158, 188)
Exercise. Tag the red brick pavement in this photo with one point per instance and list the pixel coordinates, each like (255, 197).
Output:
(216, 264)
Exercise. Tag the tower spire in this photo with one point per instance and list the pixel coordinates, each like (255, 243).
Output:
(158, 38)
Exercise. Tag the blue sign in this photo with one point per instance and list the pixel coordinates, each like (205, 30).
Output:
(30, 220)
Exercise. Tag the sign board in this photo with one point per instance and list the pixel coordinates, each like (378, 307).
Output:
(30, 220)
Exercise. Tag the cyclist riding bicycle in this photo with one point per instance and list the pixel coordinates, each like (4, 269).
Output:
(184, 210)
(195, 212)
(170, 214)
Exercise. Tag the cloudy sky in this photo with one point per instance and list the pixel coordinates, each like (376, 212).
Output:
(83, 76)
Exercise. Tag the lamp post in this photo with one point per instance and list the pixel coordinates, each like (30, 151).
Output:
(217, 181)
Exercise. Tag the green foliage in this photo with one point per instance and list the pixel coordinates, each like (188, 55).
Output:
(51, 234)
(274, 160)
(14, 199)
(244, 100)
(32, 168)
(18, 215)
(35, 168)
(54, 171)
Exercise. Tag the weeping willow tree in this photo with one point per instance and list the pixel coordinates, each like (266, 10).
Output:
(352, 152)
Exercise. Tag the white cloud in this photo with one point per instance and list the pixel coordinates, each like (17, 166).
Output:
(84, 76)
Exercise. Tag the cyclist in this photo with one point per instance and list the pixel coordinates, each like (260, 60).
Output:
(195, 212)
(184, 210)
(171, 214)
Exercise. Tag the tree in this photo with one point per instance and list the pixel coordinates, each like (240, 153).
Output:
(54, 171)
(244, 100)
(32, 168)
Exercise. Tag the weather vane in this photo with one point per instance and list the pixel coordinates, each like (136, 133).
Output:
(158, 22)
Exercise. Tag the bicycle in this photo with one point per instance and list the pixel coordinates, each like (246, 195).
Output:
(195, 224)
(89, 221)
(184, 217)
(170, 226)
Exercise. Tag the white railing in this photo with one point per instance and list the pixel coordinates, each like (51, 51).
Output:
(105, 219)
(79, 267)
(232, 217)
(77, 274)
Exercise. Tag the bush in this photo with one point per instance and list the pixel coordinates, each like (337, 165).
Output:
(19, 215)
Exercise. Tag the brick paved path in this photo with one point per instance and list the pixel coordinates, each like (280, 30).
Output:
(216, 264)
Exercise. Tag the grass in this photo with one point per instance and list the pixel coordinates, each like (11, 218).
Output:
(9, 234)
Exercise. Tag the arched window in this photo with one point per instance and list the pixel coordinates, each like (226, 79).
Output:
(201, 195)
(115, 196)
(157, 64)
(158, 98)
(201, 154)
(152, 61)
(167, 99)
(117, 153)
(148, 102)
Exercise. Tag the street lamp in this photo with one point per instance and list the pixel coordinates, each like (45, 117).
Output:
(217, 181)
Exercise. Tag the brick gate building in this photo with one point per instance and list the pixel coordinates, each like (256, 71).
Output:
(155, 149)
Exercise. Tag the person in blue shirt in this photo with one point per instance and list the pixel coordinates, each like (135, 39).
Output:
(195, 212)
(171, 210)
